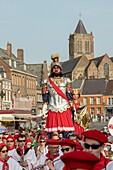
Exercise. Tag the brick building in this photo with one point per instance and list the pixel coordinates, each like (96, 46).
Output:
(17, 81)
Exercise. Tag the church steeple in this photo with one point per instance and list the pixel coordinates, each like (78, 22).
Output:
(81, 42)
(80, 29)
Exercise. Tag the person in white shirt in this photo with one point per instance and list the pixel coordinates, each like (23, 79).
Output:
(25, 156)
(7, 162)
(11, 145)
(52, 159)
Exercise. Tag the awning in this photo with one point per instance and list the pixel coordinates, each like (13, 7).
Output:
(22, 112)
(22, 116)
(6, 117)
(15, 120)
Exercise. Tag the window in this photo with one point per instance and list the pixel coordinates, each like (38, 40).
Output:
(106, 69)
(9, 85)
(86, 46)
(92, 111)
(98, 101)
(39, 97)
(33, 111)
(85, 101)
(98, 110)
(91, 100)
(6, 85)
(79, 46)
(110, 101)
(15, 64)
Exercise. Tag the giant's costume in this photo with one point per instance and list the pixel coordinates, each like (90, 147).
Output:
(56, 96)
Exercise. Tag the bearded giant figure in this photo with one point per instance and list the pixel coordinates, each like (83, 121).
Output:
(56, 93)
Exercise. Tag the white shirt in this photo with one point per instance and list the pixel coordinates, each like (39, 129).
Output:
(57, 164)
(10, 152)
(30, 157)
(13, 165)
(109, 166)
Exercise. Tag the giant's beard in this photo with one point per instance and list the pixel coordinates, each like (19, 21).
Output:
(53, 74)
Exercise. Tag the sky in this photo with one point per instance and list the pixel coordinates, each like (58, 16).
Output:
(42, 27)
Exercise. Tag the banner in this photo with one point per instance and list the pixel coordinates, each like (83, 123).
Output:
(22, 104)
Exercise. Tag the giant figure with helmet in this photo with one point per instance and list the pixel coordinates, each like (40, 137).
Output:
(58, 100)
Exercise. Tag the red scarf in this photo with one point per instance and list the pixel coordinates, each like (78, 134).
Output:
(102, 163)
(49, 156)
(9, 149)
(22, 151)
(5, 165)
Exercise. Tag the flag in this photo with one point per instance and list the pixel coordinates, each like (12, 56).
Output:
(18, 91)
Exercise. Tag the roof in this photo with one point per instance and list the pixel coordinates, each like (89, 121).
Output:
(97, 60)
(76, 84)
(80, 29)
(69, 65)
(14, 60)
(111, 59)
(37, 70)
(109, 88)
(94, 86)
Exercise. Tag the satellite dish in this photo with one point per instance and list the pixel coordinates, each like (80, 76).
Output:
(110, 126)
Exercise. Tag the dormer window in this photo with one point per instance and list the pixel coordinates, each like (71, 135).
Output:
(15, 64)
(25, 67)
(4, 74)
(10, 62)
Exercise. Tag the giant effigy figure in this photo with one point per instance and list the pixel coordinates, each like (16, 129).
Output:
(80, 114)
(56, 95)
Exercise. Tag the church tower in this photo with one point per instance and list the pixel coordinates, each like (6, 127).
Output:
(81, 43)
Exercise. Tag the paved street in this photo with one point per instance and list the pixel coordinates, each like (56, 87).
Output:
(97, 125)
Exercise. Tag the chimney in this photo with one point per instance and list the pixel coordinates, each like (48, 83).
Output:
(9, 49)
(20, 54)
(45, 71)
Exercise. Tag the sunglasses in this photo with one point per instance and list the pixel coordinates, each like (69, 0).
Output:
(4, 151)
(22, 140)
(66, 149)
(87, 146)
(42, 141)
(10, 141)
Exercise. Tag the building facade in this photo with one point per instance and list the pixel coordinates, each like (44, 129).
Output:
(16, 82)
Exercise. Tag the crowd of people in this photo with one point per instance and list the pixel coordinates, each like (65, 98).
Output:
(31, 150)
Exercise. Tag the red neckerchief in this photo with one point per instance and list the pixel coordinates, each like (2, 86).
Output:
(102, 163)
(5, 165)
(21, 151)
(49, 157)
(9, 149)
